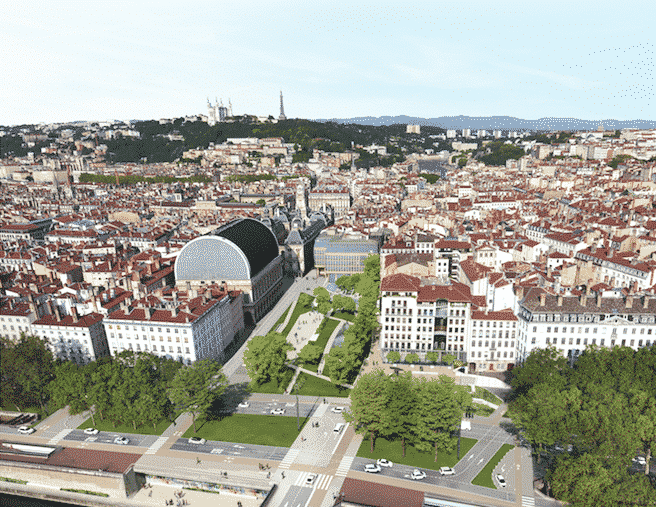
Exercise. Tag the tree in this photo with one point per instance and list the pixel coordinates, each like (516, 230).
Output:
(339, 365)
(401, 399)
(412, 358)
(348, 304)
(432, 357)
(260, 202)
(266, 357)
(643, 409)
(195, 388)
(582, 481)
(449, 359)
(310, 353)
(372, 268)
(541, 366)
(393, 356)
(368, 402)
(438, 415)
(345, 283)
(338, 302)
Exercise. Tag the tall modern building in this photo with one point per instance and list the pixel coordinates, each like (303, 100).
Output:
(282, 109)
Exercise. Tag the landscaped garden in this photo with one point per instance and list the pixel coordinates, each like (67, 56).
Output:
(314, 386)
(303, 305)
(392, 450)
(325, 329)
(272, 387)
(344, 316)
(483, 410)
(484, 478)
(486, 395)
(143, 429)
(274, 430)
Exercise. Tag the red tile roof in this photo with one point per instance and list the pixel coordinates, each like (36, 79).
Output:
(455, 292)
(379, 494)
(400, 283)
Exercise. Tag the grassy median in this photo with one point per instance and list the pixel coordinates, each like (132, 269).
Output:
(484, 478)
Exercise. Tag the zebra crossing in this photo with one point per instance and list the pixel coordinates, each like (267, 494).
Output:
(59, 436)
(156, 445)
(528, 501)
(344, 466)
(289, 458)
(322, 481)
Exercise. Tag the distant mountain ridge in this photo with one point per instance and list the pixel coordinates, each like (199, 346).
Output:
(499, 122)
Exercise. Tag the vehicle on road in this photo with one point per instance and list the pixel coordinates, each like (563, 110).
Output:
(640, 460)
(447, 471)
(337, 410)
(122, 440)
(91, 431)
(244, 404)
(384, 463)
(196, 440)
(372, 468)
(26, 430)
(501, 480)
(277, 411)
(338, 427)
(310, 479)
(418, 475)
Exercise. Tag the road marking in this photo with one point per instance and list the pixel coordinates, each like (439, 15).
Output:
(528, 501)
(59, 436)
(156, 445)
(344, 466)
(289, 458)
(216, 451)
(481, 461)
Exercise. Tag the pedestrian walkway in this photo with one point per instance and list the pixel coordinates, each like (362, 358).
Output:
(528, 501)
(59, 436)
(344, 466)
(289, 458)
(157, 445)
(322, 481)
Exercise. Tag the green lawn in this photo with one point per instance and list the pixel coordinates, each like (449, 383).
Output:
(275, 430)
(281, 319)
(392, 450)
(487, 396)
(329, 326)
(304, 305)
(271, 387)
(485, 477)
(344, 316)
(313, 386)
(483, 410)
(144, 429)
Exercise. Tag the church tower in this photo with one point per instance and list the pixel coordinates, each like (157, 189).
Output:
(301, 205)
(282, 109)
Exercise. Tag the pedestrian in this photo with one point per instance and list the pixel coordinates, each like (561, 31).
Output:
(269, 475)
(150, 493)
(197, 460)
(283, 475)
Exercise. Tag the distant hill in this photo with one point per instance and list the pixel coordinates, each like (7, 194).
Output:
(500, 122)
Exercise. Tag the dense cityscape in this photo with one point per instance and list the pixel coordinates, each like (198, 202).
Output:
(255, 310)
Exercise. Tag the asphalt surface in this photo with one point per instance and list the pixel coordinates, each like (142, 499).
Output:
(263, 452)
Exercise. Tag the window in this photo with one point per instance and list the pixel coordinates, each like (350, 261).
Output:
(535, 329)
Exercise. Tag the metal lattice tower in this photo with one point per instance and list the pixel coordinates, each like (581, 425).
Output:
(282, 109)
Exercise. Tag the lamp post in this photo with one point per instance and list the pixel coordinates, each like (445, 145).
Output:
(297, 386)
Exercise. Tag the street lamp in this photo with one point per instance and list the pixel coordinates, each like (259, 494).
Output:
(297, 386)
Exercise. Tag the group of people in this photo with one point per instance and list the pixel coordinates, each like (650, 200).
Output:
(315, 424)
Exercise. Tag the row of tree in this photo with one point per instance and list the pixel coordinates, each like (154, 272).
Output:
(133, 179)
(424, 413)
(604, 408)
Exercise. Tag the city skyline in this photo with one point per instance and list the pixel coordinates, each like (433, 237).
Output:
(118, 60)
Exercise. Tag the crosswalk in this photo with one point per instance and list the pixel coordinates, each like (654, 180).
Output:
(156, 445)
(322, 481)
(289, 458)
(528, 501)
(59, 436)
(344, 466)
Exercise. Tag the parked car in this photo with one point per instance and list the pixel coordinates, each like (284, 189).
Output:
(384, 463)
(640, 460)
(91, 431)
(196, 440)
(372, 468)
(337, 410)
(26, 430)
(501, 480)
(122, 440)
(244, 404)
(310, 479)
(447, 471)
(418, 475)
(277, 411)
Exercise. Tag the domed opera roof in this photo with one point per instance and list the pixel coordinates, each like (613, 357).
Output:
(238, 251)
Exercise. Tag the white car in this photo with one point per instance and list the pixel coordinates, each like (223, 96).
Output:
(337, 410)
(277, 411)
(244, 404)
(447, 471)
(640, 460)
(26, 430)
(372, 468)
(384, 463)
(502, 481)
(91, 431)
(310, 479)
(418, 475)
(196, 440)
(122, 440)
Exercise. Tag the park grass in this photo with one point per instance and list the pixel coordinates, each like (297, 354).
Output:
(487, 396)
(314, 386)
(328, 326)
(271, 387)
(84, 492)
(483, 410)
(344, 316)
(484, 478)
(304, 305)
(392, 450)
(144, 429)
(275, 430)
(281, 319)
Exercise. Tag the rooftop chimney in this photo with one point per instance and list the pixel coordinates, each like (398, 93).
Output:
(560, 300)
(57, 314)
(74, 314)
(599, 299)
(520, 293)
(543, 299)
(583, 299)
(645, 302)
(629, 301)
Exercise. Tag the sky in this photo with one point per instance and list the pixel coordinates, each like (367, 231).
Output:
(102, 60)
